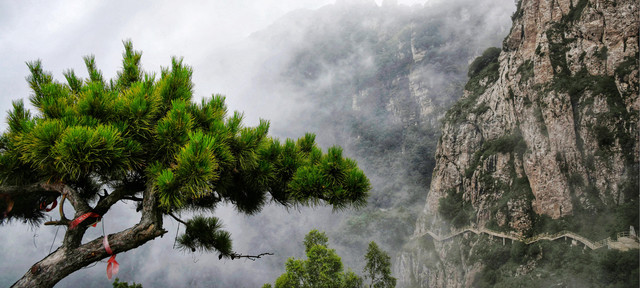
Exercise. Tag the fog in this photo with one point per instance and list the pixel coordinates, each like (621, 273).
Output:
(240, 49)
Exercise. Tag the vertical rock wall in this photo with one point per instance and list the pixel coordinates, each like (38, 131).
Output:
(549, 128)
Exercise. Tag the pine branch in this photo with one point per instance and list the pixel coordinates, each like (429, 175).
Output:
(61, 209)
(105, 202)
(250, 257)
(150, 211)
(176, 218)
(132, 198)
(62, 222)
(80, 205)
(63, 219)
(63, 262)
(36, 188)
(73, 237)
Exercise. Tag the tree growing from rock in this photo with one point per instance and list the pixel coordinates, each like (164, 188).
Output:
(140, 137)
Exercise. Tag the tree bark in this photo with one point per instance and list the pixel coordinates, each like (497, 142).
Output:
(71, 256)
(36, 188)
(64, 261)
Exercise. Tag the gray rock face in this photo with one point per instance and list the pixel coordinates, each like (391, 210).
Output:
(552, 131)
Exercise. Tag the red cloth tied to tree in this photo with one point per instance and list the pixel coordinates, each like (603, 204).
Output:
(112, 264)
(83, 217)
(43, 205)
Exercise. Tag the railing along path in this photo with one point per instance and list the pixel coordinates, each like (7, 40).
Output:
(526, 240)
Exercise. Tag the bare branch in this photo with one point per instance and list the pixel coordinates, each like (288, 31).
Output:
(150, 210)
(108, 200)
(61, 209)
(63, 222)
(177, 219)
(250, 257)
(132, 198)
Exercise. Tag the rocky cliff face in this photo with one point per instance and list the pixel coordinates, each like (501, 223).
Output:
(545, 136)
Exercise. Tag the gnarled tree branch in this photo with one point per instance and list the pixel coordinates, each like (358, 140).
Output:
(80, 205)
(110, 199)
(34, 188)
(67, 259)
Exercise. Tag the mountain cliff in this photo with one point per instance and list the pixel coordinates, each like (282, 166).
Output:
(544, 139)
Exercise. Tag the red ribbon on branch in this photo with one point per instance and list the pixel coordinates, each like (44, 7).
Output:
(83, 217)
(43, 205)
(112, 264)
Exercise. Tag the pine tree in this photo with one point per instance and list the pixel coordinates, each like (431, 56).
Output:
(378, 267)
(92, 143)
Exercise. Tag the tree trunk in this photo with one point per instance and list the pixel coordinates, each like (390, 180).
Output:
(72, 256)
(64, 261)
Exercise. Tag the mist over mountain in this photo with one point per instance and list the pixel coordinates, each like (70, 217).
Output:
(398, 88)
(377, 81)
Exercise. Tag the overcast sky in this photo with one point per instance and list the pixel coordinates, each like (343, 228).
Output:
(60, 33)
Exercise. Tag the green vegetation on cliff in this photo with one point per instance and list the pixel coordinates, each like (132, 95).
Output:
(483, 72)
(547, 263)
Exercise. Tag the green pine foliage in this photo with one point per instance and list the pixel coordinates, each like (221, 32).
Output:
(140, 131)
(205, 234)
